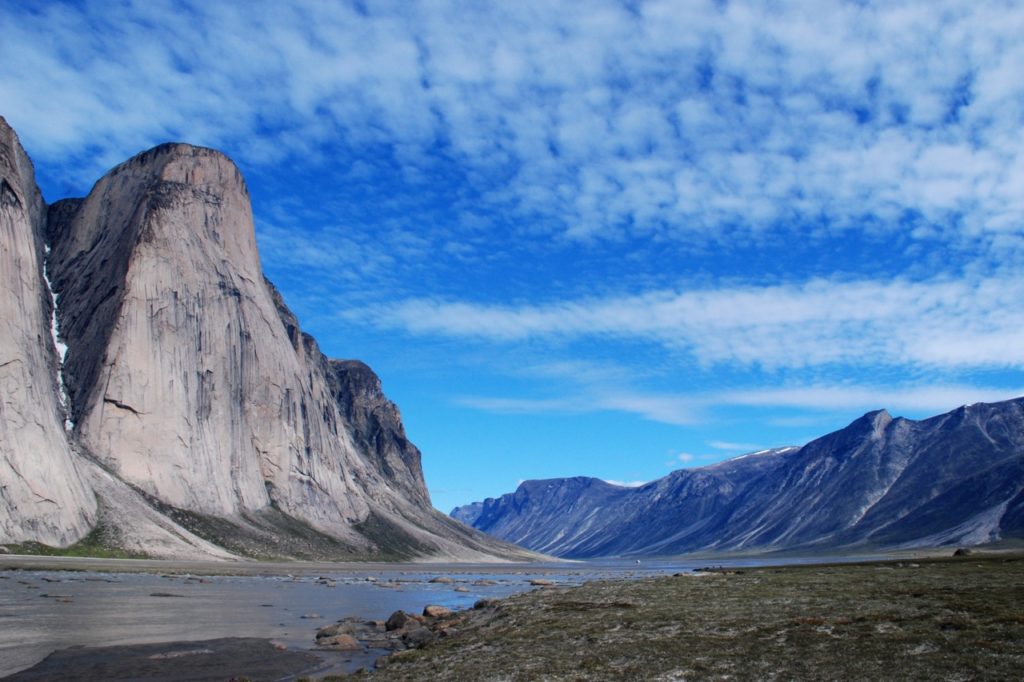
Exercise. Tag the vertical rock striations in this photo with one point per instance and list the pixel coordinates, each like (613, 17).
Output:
(181, 376)
(42, 495)
(196, 402)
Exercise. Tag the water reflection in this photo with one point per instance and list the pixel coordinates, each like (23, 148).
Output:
(41, 611)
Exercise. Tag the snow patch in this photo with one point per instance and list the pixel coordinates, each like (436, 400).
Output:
(765, 452)
(626, 484)
(58, 345)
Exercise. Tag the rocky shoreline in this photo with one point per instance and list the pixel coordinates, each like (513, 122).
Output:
(922, 618)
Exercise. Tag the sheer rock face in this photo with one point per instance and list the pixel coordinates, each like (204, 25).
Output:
(195, 401)
(42, 494)
(182, 377)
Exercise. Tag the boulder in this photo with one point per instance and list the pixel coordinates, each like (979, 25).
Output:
(397, 621)
(418, 636)
(340, 643)
(434, 611)
(329, 631)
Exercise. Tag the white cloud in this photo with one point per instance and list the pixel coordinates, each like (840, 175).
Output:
(734, 447)
(684, 121)
(937, 323)
(698, 122)
(665, 409)
(687, 409)
(918, 399)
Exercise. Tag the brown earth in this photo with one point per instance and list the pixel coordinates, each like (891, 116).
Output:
(953, 619)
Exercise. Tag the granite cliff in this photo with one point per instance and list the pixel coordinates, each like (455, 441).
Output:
(191, 416)
(881, 482)
(43, 496)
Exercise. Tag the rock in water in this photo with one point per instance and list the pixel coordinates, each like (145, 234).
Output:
(42, 495)
(434, 611)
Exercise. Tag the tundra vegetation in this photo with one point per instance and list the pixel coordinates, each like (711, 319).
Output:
(939, 619)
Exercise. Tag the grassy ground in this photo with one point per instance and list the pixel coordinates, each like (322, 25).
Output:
(101, 542)
(957, 619)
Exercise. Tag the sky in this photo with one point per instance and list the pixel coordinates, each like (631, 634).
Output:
(588, 237)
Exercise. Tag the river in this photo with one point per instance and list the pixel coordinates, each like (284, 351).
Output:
(110, 602)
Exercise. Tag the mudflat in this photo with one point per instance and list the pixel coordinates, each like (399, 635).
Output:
(218, 659)
(959, 618)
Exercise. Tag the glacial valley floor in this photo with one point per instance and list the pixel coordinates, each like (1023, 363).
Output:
(948, 619)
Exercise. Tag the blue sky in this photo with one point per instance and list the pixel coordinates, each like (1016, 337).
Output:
(589, 238)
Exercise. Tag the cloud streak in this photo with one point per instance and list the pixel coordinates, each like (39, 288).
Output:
(937, 323)
(590, 122)
(687, 409)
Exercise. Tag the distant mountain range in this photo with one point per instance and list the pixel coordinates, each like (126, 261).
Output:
(953, 479)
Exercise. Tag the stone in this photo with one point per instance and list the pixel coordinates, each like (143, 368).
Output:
(340, 643)
(418, 636)
(434, 611)
(541, 582)
(329, 631)
(445, 580)
(396, 621)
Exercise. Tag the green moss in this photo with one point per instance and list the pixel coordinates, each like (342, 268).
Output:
(102, 542)
(950, 619)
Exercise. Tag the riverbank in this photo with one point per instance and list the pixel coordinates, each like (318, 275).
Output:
(610, 621)
(46, 611)
(959, 618)
(34, 562)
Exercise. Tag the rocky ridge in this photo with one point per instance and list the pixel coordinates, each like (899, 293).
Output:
(881, 482)
(200, 418)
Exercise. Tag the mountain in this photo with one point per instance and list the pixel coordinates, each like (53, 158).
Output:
(956, 478)
(42, 493)
(190, 416)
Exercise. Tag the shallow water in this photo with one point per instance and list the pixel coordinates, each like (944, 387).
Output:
(45, 610)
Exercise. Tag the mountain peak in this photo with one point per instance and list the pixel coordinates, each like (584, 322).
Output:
(190, 385)
(943, 480)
